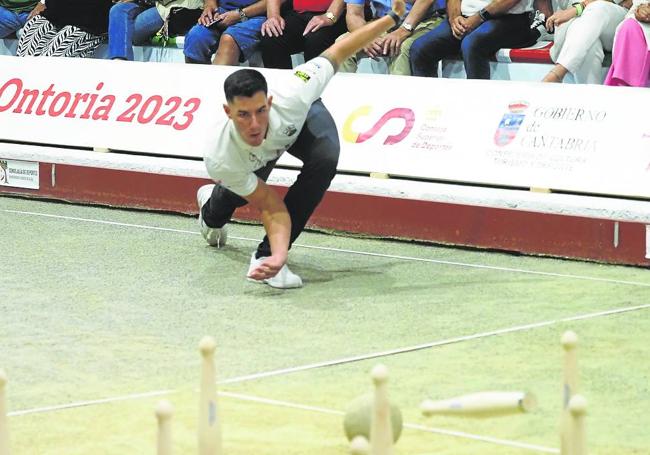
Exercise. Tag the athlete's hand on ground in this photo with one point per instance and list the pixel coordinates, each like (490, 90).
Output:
(208, 16)
(273, 26)
(316, 23)
(38, 9)
(267, 269)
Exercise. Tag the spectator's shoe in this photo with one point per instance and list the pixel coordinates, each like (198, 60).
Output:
(214, 236)
(285, 279)
(539, 24)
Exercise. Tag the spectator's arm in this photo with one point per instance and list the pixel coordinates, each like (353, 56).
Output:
(327, 19)
(209, 12)
(274, 24)
(273, 8)
(494, 8)
(350, 44)
(256, 9)
(336, 8)
(355, 17)
(38, 9)
(453, 9)
(393, 42)
(499, 7)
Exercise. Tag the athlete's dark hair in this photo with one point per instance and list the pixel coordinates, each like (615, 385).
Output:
(245, 82)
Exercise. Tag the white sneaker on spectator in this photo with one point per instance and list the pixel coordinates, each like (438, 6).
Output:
(214, 236)
(285, 279)
(539, 24)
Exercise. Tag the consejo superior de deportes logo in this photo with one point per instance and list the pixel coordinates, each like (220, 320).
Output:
(355, 137)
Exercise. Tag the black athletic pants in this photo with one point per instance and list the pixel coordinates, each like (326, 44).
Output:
(318, 148)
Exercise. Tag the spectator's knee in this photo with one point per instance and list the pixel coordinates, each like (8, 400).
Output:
(119, 10)
(471, 46)
(417, 52)
(227, 43)
(197, 45)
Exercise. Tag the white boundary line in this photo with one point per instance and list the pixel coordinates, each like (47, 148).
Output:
(354, 358)
(339, 250)
(336, 362)
(291, 405)
(459, 434)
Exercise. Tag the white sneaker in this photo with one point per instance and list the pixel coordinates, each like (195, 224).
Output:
(539, 23)
(285, 279)
(214, 236)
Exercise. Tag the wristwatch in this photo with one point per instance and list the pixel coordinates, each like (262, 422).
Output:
(242, 15)
(330, 15)
(485, 15)
(408, 27)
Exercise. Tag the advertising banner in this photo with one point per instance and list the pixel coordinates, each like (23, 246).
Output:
(578, 138)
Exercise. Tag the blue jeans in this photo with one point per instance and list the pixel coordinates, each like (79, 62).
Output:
(476, 48)
(10, 21)
(201, 42)
(128, 24)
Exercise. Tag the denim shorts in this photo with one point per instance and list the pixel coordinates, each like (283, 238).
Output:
(246, 34)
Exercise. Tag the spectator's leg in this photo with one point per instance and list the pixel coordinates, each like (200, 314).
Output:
(71, 41)
(318, 148)
(10, 21)
(239, 41)
(427, 51)
(401, 63)
(480, 45)
(582, 51)
(200, 43)
(228, 52)
(147, 23)
(37, 33)
(277, 50)
(630, 57)
(318, 41)
(121, 23)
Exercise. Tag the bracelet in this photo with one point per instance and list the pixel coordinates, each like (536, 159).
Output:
(394, 16)
(579, 8)
(485, 15)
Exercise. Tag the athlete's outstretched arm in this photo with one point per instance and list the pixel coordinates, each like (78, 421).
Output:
(344, 48)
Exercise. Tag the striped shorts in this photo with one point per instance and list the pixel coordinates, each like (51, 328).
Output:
(42, 38)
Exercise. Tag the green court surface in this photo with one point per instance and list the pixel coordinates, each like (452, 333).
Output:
(102, 311)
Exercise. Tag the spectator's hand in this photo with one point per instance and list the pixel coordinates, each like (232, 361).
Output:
(457, 26)
(273, 26)
(642, 13)
(227, 19)
(38, 9)
(560, 17)
(208, 16)
(317, 22)
(393, 41)
(470, 23)
(375, 49)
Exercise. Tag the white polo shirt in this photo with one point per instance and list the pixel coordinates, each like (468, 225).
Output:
(232, 162)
